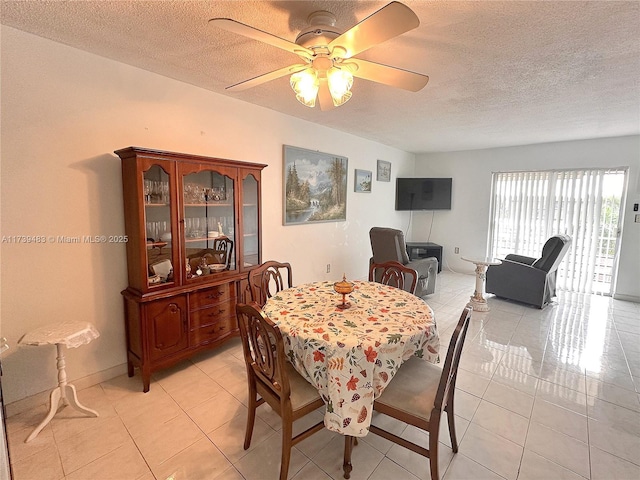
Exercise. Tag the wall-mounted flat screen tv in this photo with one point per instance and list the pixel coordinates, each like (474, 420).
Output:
(423, 194)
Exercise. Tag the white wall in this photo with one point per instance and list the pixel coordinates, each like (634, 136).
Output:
(64, 112)
(466, 224)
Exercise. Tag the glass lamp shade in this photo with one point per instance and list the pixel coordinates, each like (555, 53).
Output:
(340, 83)
(305, 84)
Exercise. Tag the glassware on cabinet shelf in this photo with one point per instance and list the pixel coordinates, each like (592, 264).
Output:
(147, 190)
(155, 192)
(209, 213)
(157, 213)
(250, 221)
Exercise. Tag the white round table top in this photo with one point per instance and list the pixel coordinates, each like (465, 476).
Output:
(71, 334)
(483, 260)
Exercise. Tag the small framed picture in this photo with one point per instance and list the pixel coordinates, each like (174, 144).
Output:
(362, 181)
(384, 171)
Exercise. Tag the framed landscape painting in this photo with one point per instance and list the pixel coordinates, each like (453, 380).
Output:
(384, 171)
(362, 181)
(315, 187)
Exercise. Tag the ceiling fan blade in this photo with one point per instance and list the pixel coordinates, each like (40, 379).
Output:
(266, 77)
(251, 32)
(324, 96)
(390, 21)
(392, 76)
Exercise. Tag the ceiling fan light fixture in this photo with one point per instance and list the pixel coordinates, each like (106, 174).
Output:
(337, 101)
(340, 82)
(305, 84)
(330, 55)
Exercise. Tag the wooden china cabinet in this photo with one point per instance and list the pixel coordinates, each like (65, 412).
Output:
(194, 232)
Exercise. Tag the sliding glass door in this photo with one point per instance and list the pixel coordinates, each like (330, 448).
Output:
(529, 207)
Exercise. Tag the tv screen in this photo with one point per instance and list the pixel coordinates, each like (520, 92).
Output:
(423, 194)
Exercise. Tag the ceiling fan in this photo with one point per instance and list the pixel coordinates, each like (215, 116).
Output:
(328, 62)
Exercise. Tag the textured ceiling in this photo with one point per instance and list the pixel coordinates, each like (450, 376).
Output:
(501, 72)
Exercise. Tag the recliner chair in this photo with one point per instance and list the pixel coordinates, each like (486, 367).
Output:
(526, 279)
(388, 245)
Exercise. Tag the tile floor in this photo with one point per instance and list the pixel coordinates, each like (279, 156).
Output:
(549, 394)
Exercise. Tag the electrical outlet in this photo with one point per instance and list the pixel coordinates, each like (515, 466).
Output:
(328, 268)
(456, 250)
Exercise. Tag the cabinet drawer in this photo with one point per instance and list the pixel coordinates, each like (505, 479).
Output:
(209, 296)
(209, 333)
(207, 316)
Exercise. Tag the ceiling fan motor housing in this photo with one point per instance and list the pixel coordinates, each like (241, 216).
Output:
(321, 31)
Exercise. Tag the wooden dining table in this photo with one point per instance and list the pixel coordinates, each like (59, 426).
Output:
(350, 355)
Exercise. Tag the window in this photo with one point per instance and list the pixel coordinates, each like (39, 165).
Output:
(529, 207)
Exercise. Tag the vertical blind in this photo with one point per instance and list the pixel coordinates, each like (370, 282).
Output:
(529, 207)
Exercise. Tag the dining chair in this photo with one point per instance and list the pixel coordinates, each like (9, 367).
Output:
(274, 379)
(268, 279)
(220, 255)
(223, 248)
(417, 395)
(395, 274)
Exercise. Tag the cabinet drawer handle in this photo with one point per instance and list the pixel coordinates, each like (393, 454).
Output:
(214, 295)
(215, 314)
(216, 329)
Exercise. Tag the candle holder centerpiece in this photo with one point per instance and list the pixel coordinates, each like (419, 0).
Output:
(344, 288)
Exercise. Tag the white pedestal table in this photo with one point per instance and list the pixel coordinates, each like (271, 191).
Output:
(71, 335)
(477, 300)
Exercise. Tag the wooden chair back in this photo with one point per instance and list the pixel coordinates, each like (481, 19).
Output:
(406, 399)
(394, 274)
(223, 248)
(272, 379)
(221, 253)
(444, 396)
(268, 279)
(264, 355)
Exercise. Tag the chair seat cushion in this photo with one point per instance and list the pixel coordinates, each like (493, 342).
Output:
(302, 392)
(413, 388)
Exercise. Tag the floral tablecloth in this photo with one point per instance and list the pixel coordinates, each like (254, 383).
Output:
(351, 355)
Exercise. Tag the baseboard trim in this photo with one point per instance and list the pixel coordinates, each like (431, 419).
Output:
(27, 403)
(626, 298)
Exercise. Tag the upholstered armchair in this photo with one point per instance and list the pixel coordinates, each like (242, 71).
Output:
(526, 279)
(388, 245)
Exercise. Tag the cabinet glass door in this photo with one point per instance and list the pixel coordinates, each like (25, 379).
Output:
(209, 223)
(157, 217)
(250, 225)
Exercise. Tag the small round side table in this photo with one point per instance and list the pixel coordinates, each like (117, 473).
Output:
(71, 335)
(477, 300)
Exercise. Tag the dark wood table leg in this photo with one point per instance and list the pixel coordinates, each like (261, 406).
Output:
(348, 447)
